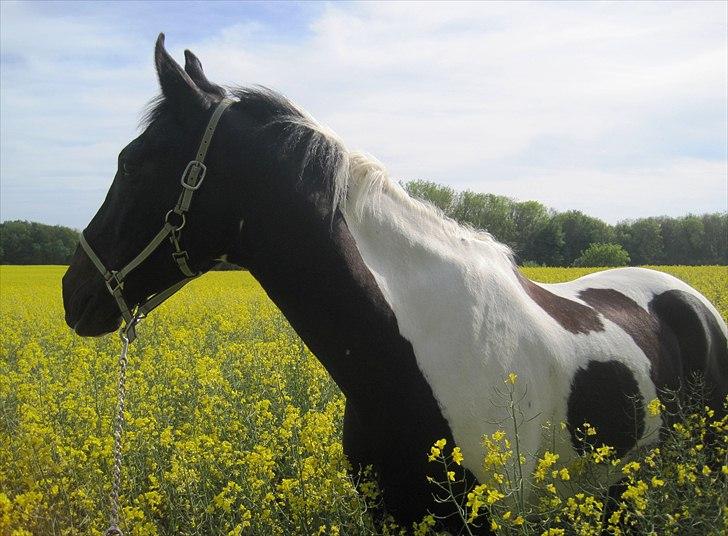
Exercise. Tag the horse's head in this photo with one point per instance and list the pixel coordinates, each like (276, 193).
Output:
(146, 186)
(254, 196)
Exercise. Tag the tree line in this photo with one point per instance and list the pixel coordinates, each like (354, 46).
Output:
(538, 235)
(25, 242)
(542, 236)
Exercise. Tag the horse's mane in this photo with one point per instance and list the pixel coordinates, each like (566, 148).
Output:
(355, 180)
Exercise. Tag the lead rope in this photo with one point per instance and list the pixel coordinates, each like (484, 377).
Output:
(114, 529)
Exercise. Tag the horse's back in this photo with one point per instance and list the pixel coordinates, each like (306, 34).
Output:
(690, 332)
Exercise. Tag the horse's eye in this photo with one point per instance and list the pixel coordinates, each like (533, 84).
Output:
(126, 168)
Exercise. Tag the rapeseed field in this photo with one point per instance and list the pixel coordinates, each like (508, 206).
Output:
(232, 426)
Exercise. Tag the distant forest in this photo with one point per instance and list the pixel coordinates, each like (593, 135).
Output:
(542, 236)
(25, 242)
(538, 235)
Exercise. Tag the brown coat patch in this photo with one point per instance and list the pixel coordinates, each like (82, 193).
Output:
(628, 315)
(573, 316)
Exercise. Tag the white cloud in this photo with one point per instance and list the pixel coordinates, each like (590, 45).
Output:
(614, 195)
(618, 108)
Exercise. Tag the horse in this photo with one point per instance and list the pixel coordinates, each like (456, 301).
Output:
(417, 318)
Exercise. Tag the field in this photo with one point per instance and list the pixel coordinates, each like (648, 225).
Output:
(232, 425)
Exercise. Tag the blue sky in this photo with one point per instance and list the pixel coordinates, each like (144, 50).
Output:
(617, 109)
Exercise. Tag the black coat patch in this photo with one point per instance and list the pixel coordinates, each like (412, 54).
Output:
(699, 343)
(605, 394)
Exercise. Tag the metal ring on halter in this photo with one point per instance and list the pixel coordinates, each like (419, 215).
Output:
(182, 214)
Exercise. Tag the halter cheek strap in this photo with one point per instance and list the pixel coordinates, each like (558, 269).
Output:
(174, 222)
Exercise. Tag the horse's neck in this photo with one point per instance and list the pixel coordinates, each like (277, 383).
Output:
(319, 281)
(348, 287)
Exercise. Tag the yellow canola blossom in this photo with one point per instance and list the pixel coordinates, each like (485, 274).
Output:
(232, 425)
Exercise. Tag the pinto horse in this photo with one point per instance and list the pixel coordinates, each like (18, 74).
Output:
(416, 318)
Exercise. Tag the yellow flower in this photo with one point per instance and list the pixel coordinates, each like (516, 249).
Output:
(436, 450)
(451, 475)
(549, 458)
(630, 467)
(655, 407)
(493, 496)
(650, 458)
(233, 423)
(602, 453)
(636, 494)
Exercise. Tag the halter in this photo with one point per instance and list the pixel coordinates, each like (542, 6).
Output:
(174, 222)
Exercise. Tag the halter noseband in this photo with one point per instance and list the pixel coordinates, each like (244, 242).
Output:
(191, 180)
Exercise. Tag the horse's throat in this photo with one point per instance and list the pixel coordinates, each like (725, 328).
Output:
(321, 284)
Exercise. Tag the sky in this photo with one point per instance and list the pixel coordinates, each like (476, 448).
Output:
(616, 109)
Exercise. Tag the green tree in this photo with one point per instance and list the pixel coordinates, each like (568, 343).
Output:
(548, 245)
(493, 213)
(541, 236)
(603, 254)
(684, 240)
(580, 231)
(23, 242)
(440, 196)
(642, 239)
(530, 218)
(715, 238)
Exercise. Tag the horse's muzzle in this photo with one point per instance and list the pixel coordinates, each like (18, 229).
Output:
(89, 309)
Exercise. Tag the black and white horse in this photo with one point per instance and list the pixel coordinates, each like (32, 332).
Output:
(415, 317)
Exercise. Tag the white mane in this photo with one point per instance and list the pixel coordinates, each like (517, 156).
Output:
(368, 179)
(358, 180)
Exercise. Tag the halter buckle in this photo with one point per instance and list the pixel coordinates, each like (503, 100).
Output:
(193, 175)
(176, 255)
(114, 284)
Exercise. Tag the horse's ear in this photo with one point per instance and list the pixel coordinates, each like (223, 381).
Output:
(193, 68)
(177, 87)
